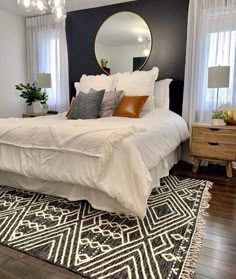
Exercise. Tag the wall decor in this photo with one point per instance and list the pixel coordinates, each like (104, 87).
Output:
(167, 20)
(122, 40)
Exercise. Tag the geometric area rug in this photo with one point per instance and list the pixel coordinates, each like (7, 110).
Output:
(97, 244)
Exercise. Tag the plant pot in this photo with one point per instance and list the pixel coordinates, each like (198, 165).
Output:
(37, 107)
(218, 122)
(45, 108)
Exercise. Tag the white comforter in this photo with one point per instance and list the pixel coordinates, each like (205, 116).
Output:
(57, 149)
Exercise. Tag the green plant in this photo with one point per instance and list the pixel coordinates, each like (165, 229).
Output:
(219, 114)
(32, 93)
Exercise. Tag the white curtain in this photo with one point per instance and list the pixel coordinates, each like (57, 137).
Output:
(47, 53)
(211, 42)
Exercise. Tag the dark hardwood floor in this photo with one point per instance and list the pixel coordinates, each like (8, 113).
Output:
(217, 259)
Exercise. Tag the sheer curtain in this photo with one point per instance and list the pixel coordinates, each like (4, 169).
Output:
(47, 52)
(211, 42)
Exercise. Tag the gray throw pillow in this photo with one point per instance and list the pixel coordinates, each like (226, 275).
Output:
(87, 105)
(110, 102)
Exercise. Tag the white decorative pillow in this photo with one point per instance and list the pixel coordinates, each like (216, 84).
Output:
(162, 93)
(77, 87)
(139, 83)
(98, 82)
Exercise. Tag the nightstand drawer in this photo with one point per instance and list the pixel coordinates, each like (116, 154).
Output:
(213, 150)
(217, 135)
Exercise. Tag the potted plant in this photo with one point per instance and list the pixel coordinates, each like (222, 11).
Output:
(218, 117)
(34, 96)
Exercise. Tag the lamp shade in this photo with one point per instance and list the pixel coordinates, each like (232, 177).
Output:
(44, 80)
(218, 77)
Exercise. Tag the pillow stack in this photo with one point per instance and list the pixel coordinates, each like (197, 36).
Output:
(95, 97)
(109, 103)
(100, 96)
(139, 83)
(99, 82)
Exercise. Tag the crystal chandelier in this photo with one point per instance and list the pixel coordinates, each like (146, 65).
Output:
(57, 7)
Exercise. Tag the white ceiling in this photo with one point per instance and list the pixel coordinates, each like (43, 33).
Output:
(123, 28)
(71, 5)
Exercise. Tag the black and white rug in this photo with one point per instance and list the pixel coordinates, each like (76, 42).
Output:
(97, 244)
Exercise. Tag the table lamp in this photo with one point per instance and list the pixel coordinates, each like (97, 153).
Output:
(44, 81)
(218, 77)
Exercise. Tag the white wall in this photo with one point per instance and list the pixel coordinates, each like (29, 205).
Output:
(121, 57)
(102, 52)
(12, 63)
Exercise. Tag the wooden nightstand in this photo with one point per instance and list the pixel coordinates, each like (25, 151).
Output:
(29, 115)
(213, 143)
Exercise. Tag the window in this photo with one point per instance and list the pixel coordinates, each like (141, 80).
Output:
(47, 52)
(222, 52)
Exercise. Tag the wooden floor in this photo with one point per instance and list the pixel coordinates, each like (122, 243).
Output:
(217, 259)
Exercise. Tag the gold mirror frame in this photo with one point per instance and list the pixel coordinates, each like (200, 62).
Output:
(102, 62)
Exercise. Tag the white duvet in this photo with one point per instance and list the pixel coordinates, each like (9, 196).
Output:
(122, 149)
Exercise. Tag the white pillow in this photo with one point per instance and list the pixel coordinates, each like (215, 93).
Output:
(97, 82)
(139, 83)
(77, 87)
(162, 93)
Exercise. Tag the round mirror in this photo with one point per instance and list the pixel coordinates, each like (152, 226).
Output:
(123, 43)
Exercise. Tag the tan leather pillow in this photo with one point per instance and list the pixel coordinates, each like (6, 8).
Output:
(71, 106)
(130, 106)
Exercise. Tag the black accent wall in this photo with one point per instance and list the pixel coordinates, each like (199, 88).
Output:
(167, 20)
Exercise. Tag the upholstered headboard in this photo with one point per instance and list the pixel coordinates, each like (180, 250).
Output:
(176, 96)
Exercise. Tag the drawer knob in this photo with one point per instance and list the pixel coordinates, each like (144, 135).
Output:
(214, 129)
(213, 143)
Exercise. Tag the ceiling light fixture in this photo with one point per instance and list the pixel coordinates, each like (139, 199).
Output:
(57, 7)
(146, 51)
(140, 39)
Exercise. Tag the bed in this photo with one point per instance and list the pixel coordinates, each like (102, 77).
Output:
(112, 162)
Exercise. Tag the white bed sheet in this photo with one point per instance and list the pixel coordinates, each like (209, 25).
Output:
(127, 176)
(96, 198)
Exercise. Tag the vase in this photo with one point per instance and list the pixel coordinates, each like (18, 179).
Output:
(218, 122)
(231, 117)
(37, 107)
